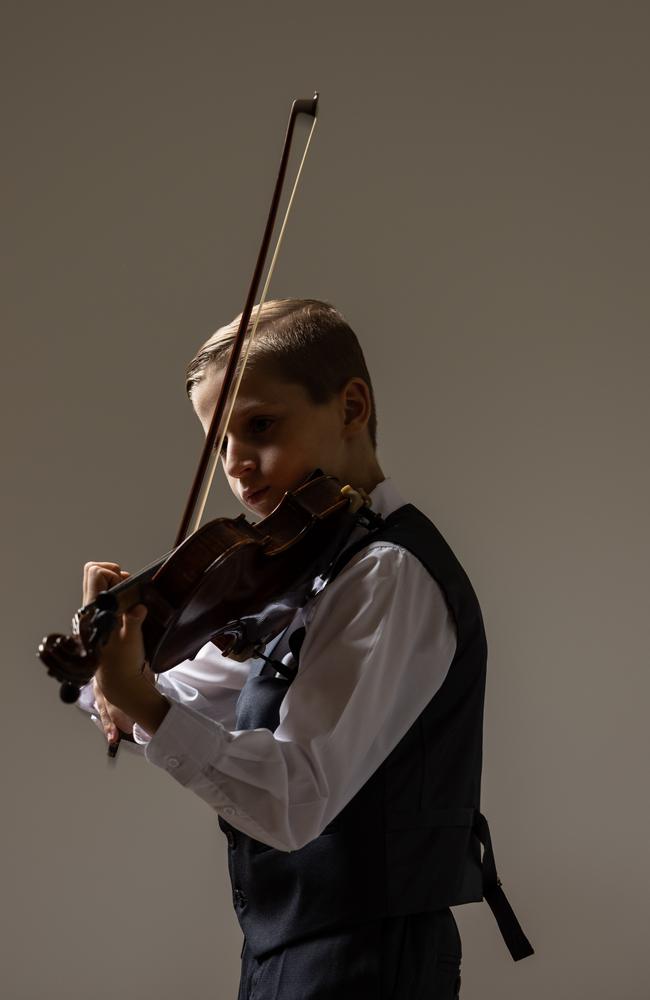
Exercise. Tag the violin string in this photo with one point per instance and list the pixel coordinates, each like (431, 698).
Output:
(214, 458)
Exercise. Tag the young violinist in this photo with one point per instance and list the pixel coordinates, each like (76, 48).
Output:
(344, 763)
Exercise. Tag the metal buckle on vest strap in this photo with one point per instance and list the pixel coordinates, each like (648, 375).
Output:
(285, 669)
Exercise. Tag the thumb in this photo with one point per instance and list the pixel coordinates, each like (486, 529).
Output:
(135, 616)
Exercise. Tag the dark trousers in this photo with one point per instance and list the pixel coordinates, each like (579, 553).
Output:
(416, 957)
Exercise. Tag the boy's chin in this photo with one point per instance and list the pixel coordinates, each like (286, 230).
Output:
(271, 497)
(261, 504)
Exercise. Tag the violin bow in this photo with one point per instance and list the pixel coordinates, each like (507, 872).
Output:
(215, 437)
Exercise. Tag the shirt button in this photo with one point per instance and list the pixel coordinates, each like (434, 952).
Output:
(173, 762)
(227, 810)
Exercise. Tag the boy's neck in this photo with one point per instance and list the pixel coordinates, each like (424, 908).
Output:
(365, 476)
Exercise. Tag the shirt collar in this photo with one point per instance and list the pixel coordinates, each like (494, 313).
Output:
(386, 498)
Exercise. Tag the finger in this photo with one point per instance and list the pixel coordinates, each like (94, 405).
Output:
(131, 631)
(98, 577)
(111, 566)
(110, 730)
(110, 715)
(93, 583)
(121, 721)
(136, 614)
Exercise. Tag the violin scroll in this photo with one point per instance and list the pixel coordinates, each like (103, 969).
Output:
(72, 659)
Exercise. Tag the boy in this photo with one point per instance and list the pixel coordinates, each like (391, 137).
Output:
(345, 765)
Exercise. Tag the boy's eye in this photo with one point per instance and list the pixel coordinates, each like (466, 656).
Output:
(260, 424)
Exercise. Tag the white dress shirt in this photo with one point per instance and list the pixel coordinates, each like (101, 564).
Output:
(379, 642)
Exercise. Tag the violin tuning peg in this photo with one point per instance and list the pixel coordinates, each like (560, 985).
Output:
(69, 692)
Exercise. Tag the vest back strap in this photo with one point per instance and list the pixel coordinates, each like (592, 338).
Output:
(518, 944)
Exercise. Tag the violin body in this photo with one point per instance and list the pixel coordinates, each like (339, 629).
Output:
(234, 583)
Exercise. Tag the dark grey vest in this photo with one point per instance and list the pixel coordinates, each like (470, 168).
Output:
(410, 839)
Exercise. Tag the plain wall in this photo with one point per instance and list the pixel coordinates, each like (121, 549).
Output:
(476, 203)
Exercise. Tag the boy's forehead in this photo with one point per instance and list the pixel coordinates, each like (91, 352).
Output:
(259, 387)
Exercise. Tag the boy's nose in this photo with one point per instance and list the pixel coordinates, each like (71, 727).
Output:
(238, 463)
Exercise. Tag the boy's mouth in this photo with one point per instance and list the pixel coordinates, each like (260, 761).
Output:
(252, 497)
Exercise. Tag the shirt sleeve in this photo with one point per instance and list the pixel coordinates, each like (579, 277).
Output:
(209, 684)
(379, 642)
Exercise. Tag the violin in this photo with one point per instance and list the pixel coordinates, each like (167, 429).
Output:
(228, 581)
(231, 582)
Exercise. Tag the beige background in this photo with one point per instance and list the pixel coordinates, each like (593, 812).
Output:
(476, 203)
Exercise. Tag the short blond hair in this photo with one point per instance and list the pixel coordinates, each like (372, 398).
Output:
(304, 341)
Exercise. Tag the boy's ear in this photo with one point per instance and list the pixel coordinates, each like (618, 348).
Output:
(357, 405)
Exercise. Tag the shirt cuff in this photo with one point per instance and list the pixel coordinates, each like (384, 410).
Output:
(140, 735)
(184, 743)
